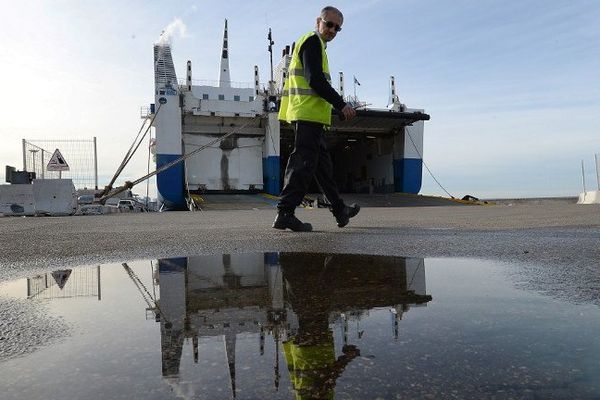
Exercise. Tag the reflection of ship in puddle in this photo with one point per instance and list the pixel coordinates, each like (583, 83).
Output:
(297, 298)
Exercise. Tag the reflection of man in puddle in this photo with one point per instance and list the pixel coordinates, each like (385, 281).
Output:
(313, 367)
(310, 354)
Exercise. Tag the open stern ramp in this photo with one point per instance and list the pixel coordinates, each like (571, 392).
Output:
(378, 151)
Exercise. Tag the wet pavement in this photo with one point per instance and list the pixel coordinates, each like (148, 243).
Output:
(555, 235)
(296, 325)
(558, 242)
(513, 309)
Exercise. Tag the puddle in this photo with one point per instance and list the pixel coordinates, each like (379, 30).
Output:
(293, 325)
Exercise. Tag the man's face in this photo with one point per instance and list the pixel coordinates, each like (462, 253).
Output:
(328, 33)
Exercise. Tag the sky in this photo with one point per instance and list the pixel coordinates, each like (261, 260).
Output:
(512, 87)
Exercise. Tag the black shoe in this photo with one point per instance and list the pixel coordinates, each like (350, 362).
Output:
(287, 220)
(343, 216)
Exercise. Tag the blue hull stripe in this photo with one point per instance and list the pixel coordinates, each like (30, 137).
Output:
(408, 174)
(272, 258)
(271, 175)
(172, 264)
(170, 183)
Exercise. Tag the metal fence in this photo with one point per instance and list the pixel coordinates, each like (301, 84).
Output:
(78, 282)
(80, 156)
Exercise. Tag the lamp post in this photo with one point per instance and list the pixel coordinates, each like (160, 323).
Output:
(597, 171)
(33, 151)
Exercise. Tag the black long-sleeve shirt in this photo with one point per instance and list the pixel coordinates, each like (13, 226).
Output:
(312, 61)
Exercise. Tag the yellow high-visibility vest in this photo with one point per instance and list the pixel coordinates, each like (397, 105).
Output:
(306, 365)
(299, 101)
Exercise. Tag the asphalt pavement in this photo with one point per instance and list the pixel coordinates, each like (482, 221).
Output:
(557, 234)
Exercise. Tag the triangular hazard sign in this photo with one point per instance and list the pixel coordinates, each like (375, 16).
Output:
(57, 162)
(61, 277)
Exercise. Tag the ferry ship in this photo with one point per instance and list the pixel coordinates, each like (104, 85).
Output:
(380, 150)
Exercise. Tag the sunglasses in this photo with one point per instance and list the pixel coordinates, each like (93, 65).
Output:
(330, 25)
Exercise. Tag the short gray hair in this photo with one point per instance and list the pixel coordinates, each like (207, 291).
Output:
(327, 9)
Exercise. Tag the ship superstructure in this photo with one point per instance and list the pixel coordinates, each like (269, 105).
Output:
(378, 151)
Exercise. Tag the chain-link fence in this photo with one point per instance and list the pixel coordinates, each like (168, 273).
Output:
(79, 282)
(79, 155)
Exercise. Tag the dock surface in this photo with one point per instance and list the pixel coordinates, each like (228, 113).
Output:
(558, 234)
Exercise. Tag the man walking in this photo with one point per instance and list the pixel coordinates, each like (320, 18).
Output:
(306, 103)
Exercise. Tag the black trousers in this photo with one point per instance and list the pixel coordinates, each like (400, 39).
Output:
(309, 159)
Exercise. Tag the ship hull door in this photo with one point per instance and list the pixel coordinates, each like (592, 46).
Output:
(371, 153)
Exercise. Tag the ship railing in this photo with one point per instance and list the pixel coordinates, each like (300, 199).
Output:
(355, 102)
(145, 112)
(217, 83)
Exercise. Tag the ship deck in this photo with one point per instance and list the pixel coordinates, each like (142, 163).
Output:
(371, 122)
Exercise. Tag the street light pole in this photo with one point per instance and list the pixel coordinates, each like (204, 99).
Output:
(33, 151)
(597, 171)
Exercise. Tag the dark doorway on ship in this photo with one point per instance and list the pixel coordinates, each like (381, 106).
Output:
(361, 163)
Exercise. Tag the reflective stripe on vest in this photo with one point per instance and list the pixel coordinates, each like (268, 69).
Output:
(300, 72)
(298, 92)
(299, 102)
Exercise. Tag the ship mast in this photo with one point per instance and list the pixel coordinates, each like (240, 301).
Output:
(224, 78)
(271, 43)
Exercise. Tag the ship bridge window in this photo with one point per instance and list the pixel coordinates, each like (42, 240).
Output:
(221, 97)
(236, 98)
(251, 98)
(205, 96)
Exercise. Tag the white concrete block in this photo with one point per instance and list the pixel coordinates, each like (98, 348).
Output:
(54, 196)
(589, 197)
(17, 200)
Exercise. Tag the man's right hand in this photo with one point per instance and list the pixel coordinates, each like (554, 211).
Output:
(348, 112)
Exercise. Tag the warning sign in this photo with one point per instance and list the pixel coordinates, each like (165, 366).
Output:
(61, 277)
(57, 162)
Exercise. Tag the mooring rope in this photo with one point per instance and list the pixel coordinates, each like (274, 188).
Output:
(425, 164)
(129, 185)
(131, 150)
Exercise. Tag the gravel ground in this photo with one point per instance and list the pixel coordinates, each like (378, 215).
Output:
(556, 234)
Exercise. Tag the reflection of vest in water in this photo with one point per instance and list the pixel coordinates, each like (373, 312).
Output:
(299, 101)
(308, 367)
